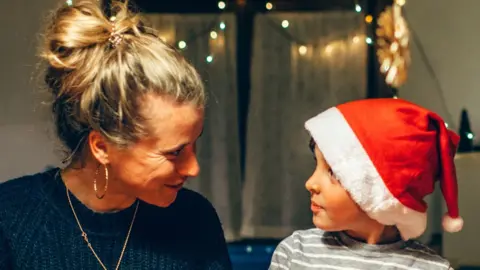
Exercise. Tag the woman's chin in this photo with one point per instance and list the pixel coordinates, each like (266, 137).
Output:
(163, 201)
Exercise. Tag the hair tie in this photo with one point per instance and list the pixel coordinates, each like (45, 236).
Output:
(115, 38)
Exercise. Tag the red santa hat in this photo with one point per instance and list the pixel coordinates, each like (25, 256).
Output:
(388, 153)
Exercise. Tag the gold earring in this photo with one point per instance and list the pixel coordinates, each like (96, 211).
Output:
(95, 183)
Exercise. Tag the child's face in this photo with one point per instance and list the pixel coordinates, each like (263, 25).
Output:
(333, 208)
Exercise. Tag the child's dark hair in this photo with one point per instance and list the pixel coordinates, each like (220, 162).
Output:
(311, 145)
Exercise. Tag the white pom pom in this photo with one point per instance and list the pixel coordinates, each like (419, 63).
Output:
(452, 224)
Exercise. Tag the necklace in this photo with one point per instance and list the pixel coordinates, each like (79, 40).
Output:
(85, 237)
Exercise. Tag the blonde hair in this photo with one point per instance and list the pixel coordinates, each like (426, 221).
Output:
(97, 82)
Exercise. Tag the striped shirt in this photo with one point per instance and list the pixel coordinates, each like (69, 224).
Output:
(316, 249)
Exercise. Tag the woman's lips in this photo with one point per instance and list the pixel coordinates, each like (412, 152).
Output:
(176, 186)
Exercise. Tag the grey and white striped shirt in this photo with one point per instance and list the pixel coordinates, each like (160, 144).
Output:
(316, 249)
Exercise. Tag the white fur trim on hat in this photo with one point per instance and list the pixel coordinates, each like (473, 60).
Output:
(452, 224)
(356, 172)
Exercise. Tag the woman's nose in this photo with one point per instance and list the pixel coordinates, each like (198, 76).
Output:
(189, 166)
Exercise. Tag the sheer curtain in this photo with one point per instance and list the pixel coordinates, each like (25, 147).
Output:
(213, 54)
(318, 61)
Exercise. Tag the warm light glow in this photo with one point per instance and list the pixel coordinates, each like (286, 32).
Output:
(222, 26)
(209, 59)
(269, 6)
(329, 49)
(400, 2)
(368, 40)
(395, 97)
(113, 18)
(69, 2)
(358, 8)
(285, 23)
(217, 43)
(221, 5)
(368, 19)
(182, 44)
(470, 135)
(356, 39)
(446, 125)
(168, 37)
(213, 35)
(302, 50)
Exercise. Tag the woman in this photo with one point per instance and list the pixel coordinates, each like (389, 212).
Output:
(129, 109)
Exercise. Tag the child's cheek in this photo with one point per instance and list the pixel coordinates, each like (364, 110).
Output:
(339, 204)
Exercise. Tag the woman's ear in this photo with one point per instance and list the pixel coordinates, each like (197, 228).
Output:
(98, 146)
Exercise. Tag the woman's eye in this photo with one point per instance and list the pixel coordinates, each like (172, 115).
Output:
(175, 153)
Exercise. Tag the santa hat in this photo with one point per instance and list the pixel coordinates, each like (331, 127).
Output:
(388, 153)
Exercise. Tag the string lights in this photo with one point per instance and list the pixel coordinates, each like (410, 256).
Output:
(392, 40)
(215, 32)
(302, 49)
(306, 50)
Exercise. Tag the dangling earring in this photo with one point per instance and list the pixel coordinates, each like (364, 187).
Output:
(95, 183)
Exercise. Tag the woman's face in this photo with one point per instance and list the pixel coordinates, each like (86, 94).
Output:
(155, 168)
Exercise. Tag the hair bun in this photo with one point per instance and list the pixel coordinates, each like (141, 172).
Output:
(83, 25)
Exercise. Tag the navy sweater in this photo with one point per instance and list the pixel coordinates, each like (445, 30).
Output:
(38, 231)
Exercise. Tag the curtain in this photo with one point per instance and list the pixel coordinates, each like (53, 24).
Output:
(213, 54)
(303, 63)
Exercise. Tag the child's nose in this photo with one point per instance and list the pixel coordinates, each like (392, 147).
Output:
(312, 187)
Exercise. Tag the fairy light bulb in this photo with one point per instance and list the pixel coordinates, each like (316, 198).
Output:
(269, 6)
(369, 19)
(221, 5)
(222, 26)
(182, 44)
(285, 24)
(213, 35)
(358, 8)
(302, 50)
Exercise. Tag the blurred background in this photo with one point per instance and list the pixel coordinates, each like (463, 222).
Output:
(268, 66)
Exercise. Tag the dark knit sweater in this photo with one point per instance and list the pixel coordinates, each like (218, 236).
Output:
(38, 231)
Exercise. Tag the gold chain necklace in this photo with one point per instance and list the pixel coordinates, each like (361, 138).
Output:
(85, 237)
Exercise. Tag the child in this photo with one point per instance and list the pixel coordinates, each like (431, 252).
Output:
(376, 161)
